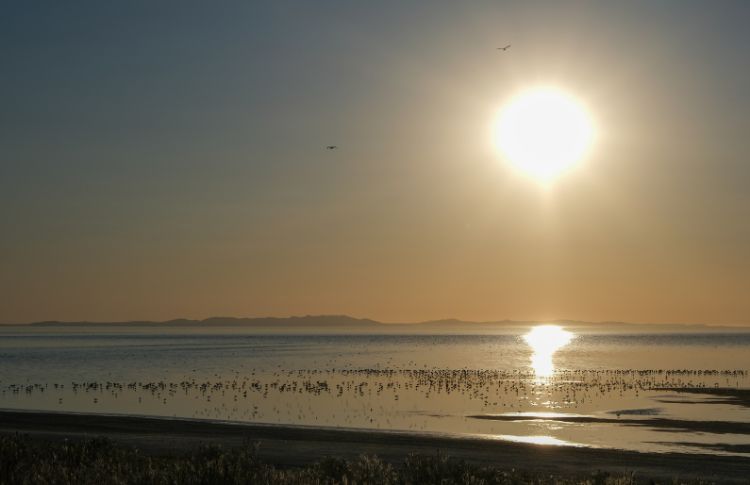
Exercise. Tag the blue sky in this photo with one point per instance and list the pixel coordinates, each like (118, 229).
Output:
(167, 159)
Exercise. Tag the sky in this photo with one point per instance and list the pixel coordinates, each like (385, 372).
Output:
(167, 159)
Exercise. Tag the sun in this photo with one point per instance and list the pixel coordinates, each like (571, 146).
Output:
(543, 132)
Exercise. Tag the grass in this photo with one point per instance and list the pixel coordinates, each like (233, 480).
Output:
(99, 461)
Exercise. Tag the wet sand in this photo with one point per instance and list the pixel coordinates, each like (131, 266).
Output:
(717, 427)
(297, 445)
(718, 395)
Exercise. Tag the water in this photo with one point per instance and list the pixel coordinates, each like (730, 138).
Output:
(621, 391)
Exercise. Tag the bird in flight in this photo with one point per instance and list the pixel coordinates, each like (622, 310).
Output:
(504, 48)
(332, 147)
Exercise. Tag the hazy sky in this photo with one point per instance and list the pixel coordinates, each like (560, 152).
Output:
(167, 159)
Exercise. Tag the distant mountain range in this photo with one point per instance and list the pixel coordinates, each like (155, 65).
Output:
(309, 321)
(347, 323)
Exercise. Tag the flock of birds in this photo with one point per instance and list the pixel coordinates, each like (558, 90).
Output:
(364, 396)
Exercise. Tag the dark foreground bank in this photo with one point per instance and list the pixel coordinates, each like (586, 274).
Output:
(66, 448)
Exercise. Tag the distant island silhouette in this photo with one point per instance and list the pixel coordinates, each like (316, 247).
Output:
(348, 323)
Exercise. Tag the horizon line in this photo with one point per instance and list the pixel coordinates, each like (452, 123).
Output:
(446, 320)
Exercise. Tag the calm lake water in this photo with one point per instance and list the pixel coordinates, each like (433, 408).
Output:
(654, 392)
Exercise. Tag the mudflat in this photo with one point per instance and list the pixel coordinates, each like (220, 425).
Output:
(299, 445)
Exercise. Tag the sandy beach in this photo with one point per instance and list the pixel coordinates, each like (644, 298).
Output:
(297, 446)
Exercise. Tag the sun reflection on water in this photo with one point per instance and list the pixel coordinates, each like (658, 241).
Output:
(538, 440)
(544, 341)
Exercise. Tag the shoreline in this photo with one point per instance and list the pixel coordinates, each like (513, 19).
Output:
(295, 446)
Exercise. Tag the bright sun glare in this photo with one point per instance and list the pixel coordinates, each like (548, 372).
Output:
(544, 132)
